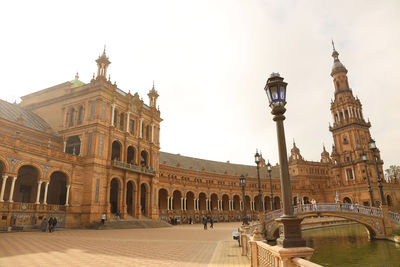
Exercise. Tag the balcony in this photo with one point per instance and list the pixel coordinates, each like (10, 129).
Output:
(133, 168)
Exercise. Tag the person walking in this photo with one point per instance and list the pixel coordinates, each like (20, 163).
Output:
(50, 224)
(211, 223)
(43, 225)
(103, 218)
(205, 223)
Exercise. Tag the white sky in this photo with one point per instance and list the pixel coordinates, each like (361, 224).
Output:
(210, 61)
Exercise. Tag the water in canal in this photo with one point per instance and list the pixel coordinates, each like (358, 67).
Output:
(349, 246)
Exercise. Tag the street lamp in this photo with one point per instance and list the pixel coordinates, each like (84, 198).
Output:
(242, 180)
(374, 149)
(269, 169)
(371, 195)
(290, 232)
(257, 161)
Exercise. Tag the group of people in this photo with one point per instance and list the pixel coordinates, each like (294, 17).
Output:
(50, 224)
(206, 220)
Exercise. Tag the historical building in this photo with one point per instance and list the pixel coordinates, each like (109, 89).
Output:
(77, 150)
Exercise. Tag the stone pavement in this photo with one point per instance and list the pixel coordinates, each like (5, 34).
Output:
(183, 245)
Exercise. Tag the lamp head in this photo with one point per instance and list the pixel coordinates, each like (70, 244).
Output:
(276, 90)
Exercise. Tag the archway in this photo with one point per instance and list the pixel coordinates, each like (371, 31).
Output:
(190, 200)
(57, 191)
(256, 203)
(214, 202)
(267, 203)
(130, 198)
(247, 203)
(306, 200)
(176, 204)
(202, 201)
(114, 195)
(116, 151)
(225, 202)
(277, 203)
(347, 200)
(130, 155)
(2, 172)
(144, 200)
(25, 189)
(236, 202)
(162, 199)
(295, 201)
(73, 145)
(144, 159)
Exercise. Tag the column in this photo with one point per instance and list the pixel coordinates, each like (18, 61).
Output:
(45, 193)
(194, 204)
(172, 203)
(333, 117)
(112, 114)
(168, 203)
(38, 191)
(3, 185)
(127, 121)
(65, 146)
(185, 203)
(12, 189)
(206, 204)
(352, 171)
(198, 204)
(67, 196)
(182, 204)
(338, 115)
(152, 132)
(141, 128)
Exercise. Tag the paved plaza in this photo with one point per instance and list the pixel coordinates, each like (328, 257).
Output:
(182, 245)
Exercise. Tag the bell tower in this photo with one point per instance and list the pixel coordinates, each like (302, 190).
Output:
(350, 131)
(102, 65)
(153, 95)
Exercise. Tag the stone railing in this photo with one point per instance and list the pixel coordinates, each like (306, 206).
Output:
(133, 167)
(394, 217)
(262, 254)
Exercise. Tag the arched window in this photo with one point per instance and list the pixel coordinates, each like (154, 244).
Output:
(116, 151)
(121, 122)
(71, 117)
(143, 159)
(147, 132)
(80, 115)
(73, 145)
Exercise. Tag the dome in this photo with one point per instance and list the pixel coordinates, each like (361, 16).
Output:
(337, 65)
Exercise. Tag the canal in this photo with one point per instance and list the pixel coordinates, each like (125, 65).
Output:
(349, 245)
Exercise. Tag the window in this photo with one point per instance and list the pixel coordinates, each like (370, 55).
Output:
(121, 122)
(100, 148)
(71, 117)
(80, 116)
(345, 140)
(89, 144)
(103, 112)
(132, 126)
(92, 109)
(147, 132)
(115, 118)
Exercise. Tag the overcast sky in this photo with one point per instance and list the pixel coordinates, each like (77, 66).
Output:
(210, 61)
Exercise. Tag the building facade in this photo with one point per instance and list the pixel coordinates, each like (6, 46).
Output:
(76, 151)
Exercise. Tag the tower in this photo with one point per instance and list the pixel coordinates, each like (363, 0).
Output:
(350, 132)
(102, 65)
(153, 95)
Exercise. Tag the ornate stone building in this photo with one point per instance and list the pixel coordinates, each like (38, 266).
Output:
(76, 151)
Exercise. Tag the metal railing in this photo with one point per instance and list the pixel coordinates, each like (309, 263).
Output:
(394, 217)
(133, 167)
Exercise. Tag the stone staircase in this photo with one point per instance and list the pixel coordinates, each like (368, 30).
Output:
(129, 223)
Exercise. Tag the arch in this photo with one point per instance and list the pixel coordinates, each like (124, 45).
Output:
(162, 199)
(73, 145)
(116, 150)
(389, 200)
(236, 202)
(57, 190)
(225, 202)
(277, 203)
(114, 195)
(214, 202)
(267, 203)
(80, 115)
(256, 203)
(347, 200)
(247, 203)
(144, 158)
(130, 197)
(176, 203)
(144, 198)
(306, 200)
(190, 200)
(202, 201)
(53, 170)
(25, 189)
(4, 165)
(131, 155)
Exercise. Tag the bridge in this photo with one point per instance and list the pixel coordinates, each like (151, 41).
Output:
(378, 221)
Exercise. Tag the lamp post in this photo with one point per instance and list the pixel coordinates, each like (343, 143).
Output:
(290, 230)
(242, 180)
(371, 195)
(374, 149)
(269, 169)
(257, 161)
